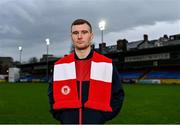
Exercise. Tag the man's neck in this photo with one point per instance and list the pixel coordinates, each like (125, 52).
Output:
(82, 53)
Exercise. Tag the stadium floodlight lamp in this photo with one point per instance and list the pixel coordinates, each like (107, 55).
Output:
(20, 48)
(47, 41)
(102, 25)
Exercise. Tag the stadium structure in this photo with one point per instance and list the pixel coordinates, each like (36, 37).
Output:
(147, 61)
(143, 61)
(5, 63)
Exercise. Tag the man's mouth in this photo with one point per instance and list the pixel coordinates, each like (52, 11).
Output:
(80, 42)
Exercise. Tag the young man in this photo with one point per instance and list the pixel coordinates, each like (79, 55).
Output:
(86, 88)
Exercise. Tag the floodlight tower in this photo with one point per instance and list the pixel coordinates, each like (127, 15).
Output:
(102, 25)
(20, 53)
(47, 45)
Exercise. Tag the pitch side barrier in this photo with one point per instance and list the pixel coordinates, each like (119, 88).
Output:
(159, 81)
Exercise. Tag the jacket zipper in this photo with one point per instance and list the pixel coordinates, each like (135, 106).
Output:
(80, 97)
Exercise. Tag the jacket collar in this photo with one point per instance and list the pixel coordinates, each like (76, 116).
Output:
(88, 57)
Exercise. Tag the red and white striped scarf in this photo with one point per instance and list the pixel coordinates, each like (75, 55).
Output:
(65, 89)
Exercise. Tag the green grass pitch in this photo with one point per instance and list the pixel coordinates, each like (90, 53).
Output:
(28, 103)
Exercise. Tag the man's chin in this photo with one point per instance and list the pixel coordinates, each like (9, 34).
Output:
(82, 48)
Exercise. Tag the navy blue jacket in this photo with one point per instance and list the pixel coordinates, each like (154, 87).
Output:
(90, 116)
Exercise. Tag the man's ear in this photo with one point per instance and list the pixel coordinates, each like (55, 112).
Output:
(92, 36)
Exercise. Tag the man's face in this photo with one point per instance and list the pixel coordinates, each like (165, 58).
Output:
(81, 36)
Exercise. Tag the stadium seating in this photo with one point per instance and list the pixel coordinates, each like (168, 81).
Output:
(151, 75)
(131, 74)
(31, 78)
(165, 74)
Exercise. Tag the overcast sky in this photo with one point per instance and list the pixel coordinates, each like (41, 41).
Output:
(28, 23)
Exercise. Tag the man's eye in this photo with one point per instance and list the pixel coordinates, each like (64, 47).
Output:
(84, 32)
(75, 33)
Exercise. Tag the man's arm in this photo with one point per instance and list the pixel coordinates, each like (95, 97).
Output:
(117, 96)
(55, 113)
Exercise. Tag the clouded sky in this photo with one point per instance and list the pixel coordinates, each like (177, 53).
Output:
(28, 23)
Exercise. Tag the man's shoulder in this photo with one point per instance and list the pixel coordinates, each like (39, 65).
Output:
(101, 57)
(66, 59)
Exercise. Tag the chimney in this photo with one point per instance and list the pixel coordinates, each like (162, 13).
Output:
(102, 46)
(165, 36)
(122, 44)
(145, 37)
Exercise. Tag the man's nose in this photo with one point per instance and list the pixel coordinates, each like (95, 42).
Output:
(79, 36)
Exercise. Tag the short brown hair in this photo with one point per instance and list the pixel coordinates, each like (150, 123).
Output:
(81, 21)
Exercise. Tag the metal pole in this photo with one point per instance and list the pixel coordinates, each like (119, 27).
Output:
(20, 53)
(102, 36)
(47, 64)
